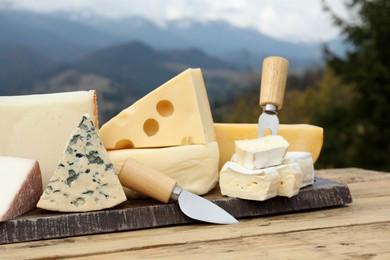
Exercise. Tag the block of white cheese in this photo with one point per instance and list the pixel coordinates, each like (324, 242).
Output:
(239, 182)
(85, 179)
(305, 161)
(176, 113)
(261, 152)
(20, 186)
(194, 167)
(290, 179)
(38, 126)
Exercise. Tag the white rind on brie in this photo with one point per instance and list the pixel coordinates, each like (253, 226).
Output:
(290, 179)
(261, 152)
(239, 182)
(305, 161)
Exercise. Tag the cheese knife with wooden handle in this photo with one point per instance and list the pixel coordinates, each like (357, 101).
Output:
(155, 184)
(273, 84)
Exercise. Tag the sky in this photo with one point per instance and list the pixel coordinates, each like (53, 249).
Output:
(289, 20)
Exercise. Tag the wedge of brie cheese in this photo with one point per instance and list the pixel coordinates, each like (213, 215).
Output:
(305, 161)
(261, 152)
(290, 179)
(239, 182)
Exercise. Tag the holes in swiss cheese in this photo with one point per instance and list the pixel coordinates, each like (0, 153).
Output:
(124, 144)
(165, 108)
(151, 127)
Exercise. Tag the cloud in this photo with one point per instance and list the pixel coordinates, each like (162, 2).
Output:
(301, 20)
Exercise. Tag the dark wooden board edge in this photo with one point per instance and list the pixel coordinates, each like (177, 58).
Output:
(140, 214)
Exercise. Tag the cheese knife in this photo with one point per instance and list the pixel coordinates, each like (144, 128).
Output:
(154, 184)
(273, 84)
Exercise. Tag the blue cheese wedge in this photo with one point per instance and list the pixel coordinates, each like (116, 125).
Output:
(85, 179)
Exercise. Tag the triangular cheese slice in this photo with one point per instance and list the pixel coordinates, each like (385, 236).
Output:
(176, 113)
(85, 179)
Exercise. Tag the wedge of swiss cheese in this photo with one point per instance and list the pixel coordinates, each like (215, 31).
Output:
(38, 126)
(171, 130)
(176, 113)
(301, 137)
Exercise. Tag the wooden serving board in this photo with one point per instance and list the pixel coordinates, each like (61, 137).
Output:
(147, 213)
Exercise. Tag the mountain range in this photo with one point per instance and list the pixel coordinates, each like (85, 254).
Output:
(125, 59)
(66, 37)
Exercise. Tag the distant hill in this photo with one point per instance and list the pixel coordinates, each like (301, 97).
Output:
(19, 64)
(60, 39)
(142, 68)
(121, 74)
(69, 37)
(125, 59)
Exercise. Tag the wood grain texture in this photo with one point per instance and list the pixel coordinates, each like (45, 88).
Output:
(139, 214)
(359, 230)
(273, 81)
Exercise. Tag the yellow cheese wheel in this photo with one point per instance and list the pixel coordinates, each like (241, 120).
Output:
(301, 137)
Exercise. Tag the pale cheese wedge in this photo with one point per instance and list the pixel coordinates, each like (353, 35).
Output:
(38, 126)
(194, 167)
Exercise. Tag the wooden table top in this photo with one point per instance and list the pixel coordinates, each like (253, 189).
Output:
(360, 230)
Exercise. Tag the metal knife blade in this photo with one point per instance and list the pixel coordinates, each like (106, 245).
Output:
(201, 209)
(155, 184)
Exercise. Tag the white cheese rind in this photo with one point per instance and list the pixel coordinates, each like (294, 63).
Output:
(290, 179)
(305, 161)
(38, 126)
(239, 182)
(261, 152)
(20, 186)
(85, 179)
(194, 167)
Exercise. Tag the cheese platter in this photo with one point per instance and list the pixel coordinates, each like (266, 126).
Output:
(148, 213)
(89, 188)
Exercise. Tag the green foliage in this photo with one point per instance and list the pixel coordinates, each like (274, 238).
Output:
(366, 67)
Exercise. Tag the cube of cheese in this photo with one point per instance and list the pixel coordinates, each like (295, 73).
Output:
(239, 182)
(305, 162)
(290, 179)
(85, 179)
(20, 186)
(261, 152)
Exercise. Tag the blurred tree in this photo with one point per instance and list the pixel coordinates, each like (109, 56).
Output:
(366, 69)
(329, 105)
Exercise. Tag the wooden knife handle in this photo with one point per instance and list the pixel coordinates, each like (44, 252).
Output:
(273, 81)
(146, 180)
